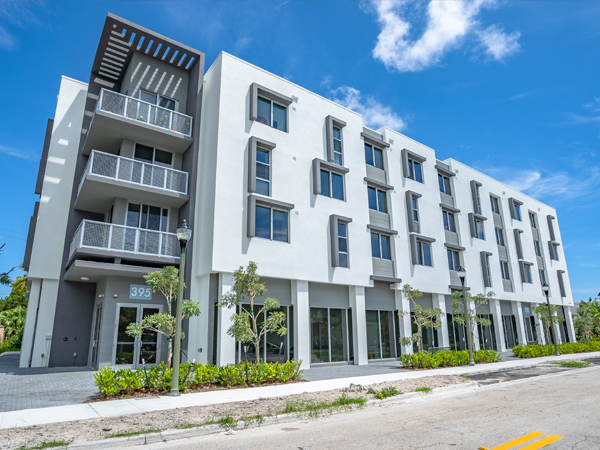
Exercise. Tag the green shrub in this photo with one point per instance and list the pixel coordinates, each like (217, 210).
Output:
(535, 351)
(447, 358)
(192, 375)
(386, 392)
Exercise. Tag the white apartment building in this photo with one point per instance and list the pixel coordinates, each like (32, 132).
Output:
(337, 216)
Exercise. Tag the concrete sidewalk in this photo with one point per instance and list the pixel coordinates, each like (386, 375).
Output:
(40, 416)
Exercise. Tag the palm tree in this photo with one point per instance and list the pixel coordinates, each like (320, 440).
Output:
(13, 320)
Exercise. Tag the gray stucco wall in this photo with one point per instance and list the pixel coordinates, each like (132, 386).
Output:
(380, 296)
(328, 295)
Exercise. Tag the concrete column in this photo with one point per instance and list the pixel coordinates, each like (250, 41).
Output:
(518, 312)
(29, 330)
(403, 304)
(476, 345)
(539, 327)
(225, 343)
(570, 325)
(359, 324)
(199, 326)
(439, 301)
(300, 301)
(42, 325)
(556, 328)
(496, 312)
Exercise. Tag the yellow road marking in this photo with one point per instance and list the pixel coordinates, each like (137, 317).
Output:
(542, 443)
(518, 441)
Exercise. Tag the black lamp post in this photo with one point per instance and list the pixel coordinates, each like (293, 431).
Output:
(545, 290)
(462, 274)
(184, 234)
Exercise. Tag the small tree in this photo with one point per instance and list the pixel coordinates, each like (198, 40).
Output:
(246, 326)
(458, 309)
(542, 312)
(166, 281)
(587, 319)
(422, 317)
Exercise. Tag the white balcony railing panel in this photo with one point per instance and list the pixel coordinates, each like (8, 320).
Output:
(134, 109)
(112, 237)
(133, 171)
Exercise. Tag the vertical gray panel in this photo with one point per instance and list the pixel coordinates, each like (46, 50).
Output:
(551, 250)
(30, 235)
(551, 227)
(383, 267)
(376, 174)
(250, 214)
(484, 264)
(472, 226)
(507, 286)
(316, 176)
(328, 295)
(253, 101)
(474, 186)
(517, 234)
(381, 297)
(333, 231)
(413, 249)
(409, 214)
(451, 237)
(497, 220)
(561, 283)
(405, 170)
(511, 207)
(252, 165)
(522, 270)
(446, 199)
(379, 219)
(329, 137)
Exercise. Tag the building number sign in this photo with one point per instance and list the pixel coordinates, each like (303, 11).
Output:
(140, 292)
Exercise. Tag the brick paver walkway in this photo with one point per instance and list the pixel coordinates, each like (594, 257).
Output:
(42, 387)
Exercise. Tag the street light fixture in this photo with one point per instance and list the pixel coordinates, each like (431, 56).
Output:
(462, 274)
(184, 234)
(545, 290)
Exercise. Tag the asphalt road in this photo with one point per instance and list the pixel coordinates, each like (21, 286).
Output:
(564, 403)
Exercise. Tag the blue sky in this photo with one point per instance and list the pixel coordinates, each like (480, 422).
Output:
(510, 88)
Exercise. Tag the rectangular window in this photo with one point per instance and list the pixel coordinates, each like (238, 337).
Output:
(479, 229)
(332, 184)
(153, 155)
(147, 217)
(527, 273)
(271, 224)
(159, 100)
(453, 260)
(532, 220)
(537, 247)
(263, 172)
(338, 157)
(504, 270)
(343, 244)
(518, 212)
(495, 204)
(380, 246)
(272, 114)
(499, 237)
(444, 183)
(373, 156)
(424, 253)
(555, 252)
(377, 199)
(449, 223)
(415, 210)
(415, 170)
(488, 269)
(478, 199)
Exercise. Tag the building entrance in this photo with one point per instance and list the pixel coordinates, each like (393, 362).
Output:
(133, 352)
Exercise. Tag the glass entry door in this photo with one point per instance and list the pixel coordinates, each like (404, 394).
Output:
(487, 335)
(456, 334)
(130, 351)
(530, 330)
(510, 331)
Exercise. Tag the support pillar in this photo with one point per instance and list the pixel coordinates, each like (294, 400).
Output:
(198, 326)
(518, 313)
(439, 301)
(225, 343)
(539, 326)
(570, 326)
(403, 304)
(359, 324)
(556, 328)
(498, 328)
(300, 301)
(476, 345)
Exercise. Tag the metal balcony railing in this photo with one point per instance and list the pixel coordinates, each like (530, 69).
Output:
(133, 171)
(119, 238)
(135, 109)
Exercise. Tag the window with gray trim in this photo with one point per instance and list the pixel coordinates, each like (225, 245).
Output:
(415, 170)
(537, 247)
(475, 196)
(532, 220)
(485, 268)
(269, 107)
(334, 138)
(499, 236)
(453, 259)
(525, 272)
(328, 179)
(338, 227)
(415, 215)
(479, 232)
(449, 221)
(444, 183)
(424, 253)
(380, 246)
(412, 165)
(528, 273)
(259, 166)
(504, 270)
(561, 283)
(553, 250)
(374, 156)
(377, 199)
(515, 208)
(412, 211)
(495, 201)
(268, 218)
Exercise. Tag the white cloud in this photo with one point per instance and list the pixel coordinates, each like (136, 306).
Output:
(448, 23)
(375, 114)
(497, 43)
(241, 44)
(7, 40)
(9, 151)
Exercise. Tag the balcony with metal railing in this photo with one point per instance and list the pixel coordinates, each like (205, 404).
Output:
(117, 117)
(102, 239)
(107, 176)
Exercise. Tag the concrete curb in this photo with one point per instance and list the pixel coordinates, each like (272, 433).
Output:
(175, 434)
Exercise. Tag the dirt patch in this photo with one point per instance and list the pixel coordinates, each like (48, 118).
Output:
(96, 429)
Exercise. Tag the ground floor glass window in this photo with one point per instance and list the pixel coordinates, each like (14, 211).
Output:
(331, 335)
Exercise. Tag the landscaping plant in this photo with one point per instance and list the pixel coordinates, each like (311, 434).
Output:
(458, 309)
(542, 312)
(422, 317)
(535, 351)
(447, 358)
(248, 325)
(587, 320)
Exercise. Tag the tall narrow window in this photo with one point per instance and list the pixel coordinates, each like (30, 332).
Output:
(263, 172)
(532, 220)
(479, 229)
(343, 244)
(527, 270)
(380, 246)
(415, 170)
(338, 157)
(504, 270)
(373, 156)
(542, 276)
(537, 247)
(415, 211)
(444, 183)
(424, 253)
(449, 224)
(518, 212)
(495, 204)
(499, 237)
